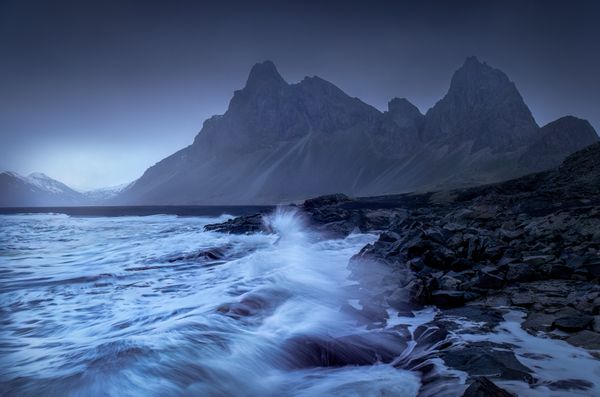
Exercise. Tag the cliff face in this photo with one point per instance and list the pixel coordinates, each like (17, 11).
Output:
(281, 142)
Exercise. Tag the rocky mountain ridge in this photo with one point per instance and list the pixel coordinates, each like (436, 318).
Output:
(281, 142)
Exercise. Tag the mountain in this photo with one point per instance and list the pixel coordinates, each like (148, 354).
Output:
(556, 141)
(280, 142)
(36, 190)
(482, 106)
(276, 142)
(103, 195)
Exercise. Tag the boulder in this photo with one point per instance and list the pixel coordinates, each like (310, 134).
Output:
(483, 387)
(537, 260)
(307, 351)
(572, 323)
(448, 298)
(241, 225)
(586, 339)
(487, 359)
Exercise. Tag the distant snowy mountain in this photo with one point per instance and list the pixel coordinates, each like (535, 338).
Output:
(106, 193)
(36, 190)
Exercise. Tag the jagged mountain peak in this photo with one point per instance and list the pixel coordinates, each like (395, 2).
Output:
(403, 106)
(475, 76)
(318, 88)
(406, 116)
(279, 142)
(473, 63)
(481, 106)
(264, 74)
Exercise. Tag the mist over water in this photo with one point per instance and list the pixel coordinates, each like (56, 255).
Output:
(156, 306)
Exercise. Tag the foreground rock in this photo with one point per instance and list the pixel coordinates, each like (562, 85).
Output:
(483, 387)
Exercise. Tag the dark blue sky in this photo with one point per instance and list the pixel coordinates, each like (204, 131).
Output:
(94, 92)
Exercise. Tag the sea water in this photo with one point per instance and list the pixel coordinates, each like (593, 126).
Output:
(133, 306)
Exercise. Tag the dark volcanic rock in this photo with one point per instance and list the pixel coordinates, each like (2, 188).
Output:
(572, 323)
(570, 384)
(476, 313)
(307, 351)
(487, 359)
(586, 339)
(448, 298)
(483, 387)
(241, 225)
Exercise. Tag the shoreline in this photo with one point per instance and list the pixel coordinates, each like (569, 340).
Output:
(531, 244)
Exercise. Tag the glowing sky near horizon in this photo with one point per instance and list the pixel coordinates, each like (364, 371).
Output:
(94, 92)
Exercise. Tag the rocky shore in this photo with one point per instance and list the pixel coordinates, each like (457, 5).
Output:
(531, 244)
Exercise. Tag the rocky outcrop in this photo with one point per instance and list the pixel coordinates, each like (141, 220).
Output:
(531, 243)
(483, 387)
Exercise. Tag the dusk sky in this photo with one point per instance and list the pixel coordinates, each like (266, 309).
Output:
(94, 92)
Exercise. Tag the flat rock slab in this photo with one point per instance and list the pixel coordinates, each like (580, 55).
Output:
(487, 359)
(586, 339)
(483, 387)
(572, 323)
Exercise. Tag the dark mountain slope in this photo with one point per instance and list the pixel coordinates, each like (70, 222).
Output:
(281, 142)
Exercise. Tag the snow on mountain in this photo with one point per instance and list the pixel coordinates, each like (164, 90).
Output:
(36, 189)
(106, 193)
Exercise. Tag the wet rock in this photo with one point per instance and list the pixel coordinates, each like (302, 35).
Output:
(593, 268)
(258, 303)
(572, 323)
(520, 272)
(307, 351)
(570, 384)
(460, 264)
(539, 322)
(559, 270)
(586, 339)
(476, 313)
(448, 282)
(537, 260)
(212, 254)
(327, 200)
(448, 298)
(523, 299)
(483, 387)
(487, 359)
(438, 256)
(241, 225)
(488, 280)
(596, 324)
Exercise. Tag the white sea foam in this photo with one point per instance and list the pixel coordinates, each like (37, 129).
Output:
(122, 306)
